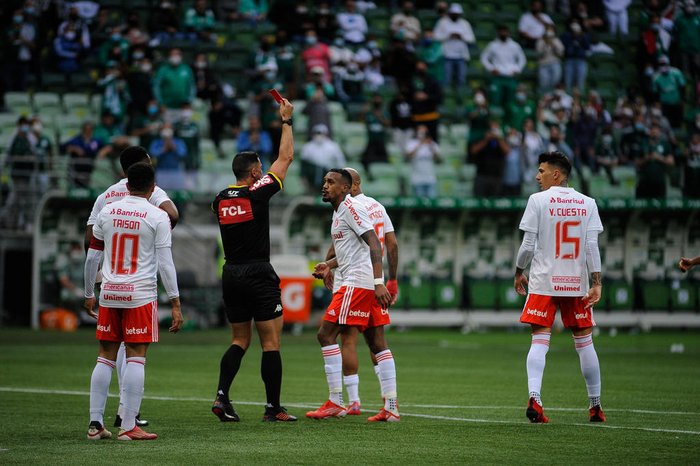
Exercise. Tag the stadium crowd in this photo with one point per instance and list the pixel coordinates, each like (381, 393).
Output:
(171, 74)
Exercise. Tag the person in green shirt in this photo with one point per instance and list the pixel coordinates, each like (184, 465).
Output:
(376, 122)
(519, 109)
(107, 128)
(430, 51)
(669, 86)
(653, 165)
(479, 117)
(188, 131)
(115, 48)
(174, 85)
(43, 148)
(686, 33)
(200, 22)
(115, 92)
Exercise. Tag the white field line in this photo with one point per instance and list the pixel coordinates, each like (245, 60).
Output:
(424, 416)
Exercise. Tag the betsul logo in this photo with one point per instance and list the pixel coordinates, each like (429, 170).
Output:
(294, 297)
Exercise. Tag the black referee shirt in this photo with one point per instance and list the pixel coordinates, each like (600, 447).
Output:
(244, 220)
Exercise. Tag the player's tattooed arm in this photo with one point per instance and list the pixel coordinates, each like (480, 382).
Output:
(596, 279)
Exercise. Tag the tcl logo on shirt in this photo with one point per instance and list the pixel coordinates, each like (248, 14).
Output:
(235, 211)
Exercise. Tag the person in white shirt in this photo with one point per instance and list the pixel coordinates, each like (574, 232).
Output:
(455, 33)
(362, 299)
(616, 11)
(385, 232)
(319, 155)
(423, 153)
(404, 24)
(505, 60)
(533, 23)
(561, 229)
(352, 24)
(550, 51)
(135, 239)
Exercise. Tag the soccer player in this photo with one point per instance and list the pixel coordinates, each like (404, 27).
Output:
(129, 156)
(136, 238)
(561, 229)
(250, 285)
(348, 337)
(361, 300)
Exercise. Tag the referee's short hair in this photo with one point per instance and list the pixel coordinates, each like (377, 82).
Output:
(141, 177)
(557, 159)
(132, 155)
(243, 162)
(344, 174)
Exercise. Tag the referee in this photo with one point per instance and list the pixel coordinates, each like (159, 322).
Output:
(250, 285)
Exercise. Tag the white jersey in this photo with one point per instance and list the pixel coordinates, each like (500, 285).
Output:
(380, 222)
(132, 229)
(561, 218)
(350, 222)
(117, 192)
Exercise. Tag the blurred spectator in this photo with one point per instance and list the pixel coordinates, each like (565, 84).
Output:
(374, 78)
(114, 49)
(68, 50)
(188, 130)
(514, 167)
(326, 25)
(607, 153)
(576, 46)
(692, 117)
(653, 165)
(20, 37)
(376, 123)
(405, 25)
(173, 85)
(115, 92)
(426, 96)
(556, 142)
(352, 24)
(350, 83)
(147, 126)
(286, 58)
(107, 128)
(584, 129)
(279, 14)
(400, 62)
(505, 60)
(317, 94)
(479, 119)
(69, 269)
(669, 86)
(533, 24)
(255, 139)
(655, 43)
(264, 56)
(206, 83)
(533, 146)
(169, 153)
(550, 51)
(519, 109)
(75, 23)
(340, 54)
(200, 22)
(316, 54)
(589, 14)
(224, 111)
(686, 34)
(134, 33)
(616, 13)
(22, 165)
(227, 10)
(139, 80)
(254, 11)
(43, 148)
(423, 153)
(400, 115)
(164, 24)
(83, 149)
(655, 115)
(319, 155)
(455, 33)
(489, 154)
(691, 168)
(430, 51)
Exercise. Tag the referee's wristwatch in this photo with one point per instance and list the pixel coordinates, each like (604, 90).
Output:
(288, 121)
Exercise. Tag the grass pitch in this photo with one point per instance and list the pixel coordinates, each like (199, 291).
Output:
(462, 400)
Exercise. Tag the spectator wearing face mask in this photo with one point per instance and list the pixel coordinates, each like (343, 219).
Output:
(550, 51)
(69, 269)
(319, 155)
(423, 153)
(255, 139)
(533, 146)
(68, 51)
(83, 149)
(254, 11)
(165, 24)
(533, 24)
(204, 78)
(576, 46)
(169, 153)
(326, 25)
(400, 115)
(455, 33)
(139, 80)
(669, 86)
(316, 54)
(376, 123)
(115, 92)
(114, 49)
(352, 24)
(653, 165)
(607, 153)
(514, 166)
(75, 23)
(188, 130)
(490, 153)
(173, 85)
(146, 126)
(21, 42)
(584, 128)
(479, 117)
(519, 109)
(200, 22)
(505, 60)
(404, 24)
(318, 93)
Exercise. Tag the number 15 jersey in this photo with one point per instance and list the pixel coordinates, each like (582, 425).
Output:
(562, 218)
(131, 229)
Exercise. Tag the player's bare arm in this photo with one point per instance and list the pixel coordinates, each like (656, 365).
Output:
(176, 315)
(593, 296)
(170, 209)
(375, 255)
(686, 264)
(392, 254)
(525, 255)
(92, 263)
(286, 154)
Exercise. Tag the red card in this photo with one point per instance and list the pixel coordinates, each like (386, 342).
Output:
(276, 95)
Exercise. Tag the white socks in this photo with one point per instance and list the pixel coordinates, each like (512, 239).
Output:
(387, 379)
(132, 393)
(590, 368)
(352, 384)
(121, 365)
(99, 388)
(333, 365)
(536, 358)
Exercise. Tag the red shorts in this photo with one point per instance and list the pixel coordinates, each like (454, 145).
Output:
(130, 325)
(356, 307)
(540, 310)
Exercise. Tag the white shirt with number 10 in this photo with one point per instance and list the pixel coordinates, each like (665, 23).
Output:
(132, 229)
(562, 218)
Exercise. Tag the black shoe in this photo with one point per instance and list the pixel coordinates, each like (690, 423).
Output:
(224, 410)
(277, 414)
(139, 422)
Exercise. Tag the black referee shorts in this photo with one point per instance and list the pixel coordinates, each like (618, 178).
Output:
(251, 291)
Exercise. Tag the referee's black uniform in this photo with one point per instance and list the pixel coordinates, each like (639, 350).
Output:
(250, 285)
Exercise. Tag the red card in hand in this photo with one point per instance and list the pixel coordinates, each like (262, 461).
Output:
(276, 95)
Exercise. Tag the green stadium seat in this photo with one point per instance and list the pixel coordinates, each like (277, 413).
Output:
(684, 296)
(19, 103)
(447, 295)
(77, 103)
(67, 126)
(102, 176)
(483, 294)
(656, 295)
(508, 298)
(47, 103)
(402, 300)
(618, 295)
(420, 295)
(293, 185)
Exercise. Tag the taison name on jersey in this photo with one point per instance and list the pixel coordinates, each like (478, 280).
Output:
(128, 224)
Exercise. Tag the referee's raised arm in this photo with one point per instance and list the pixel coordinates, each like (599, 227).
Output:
(286, 155)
